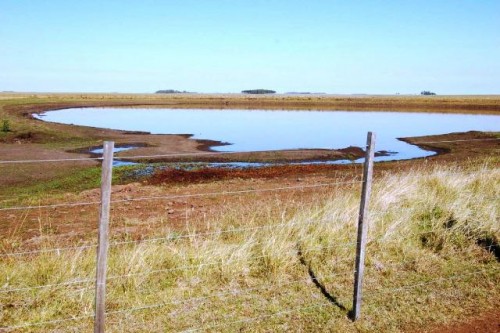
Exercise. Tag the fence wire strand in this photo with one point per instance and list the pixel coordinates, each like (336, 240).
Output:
(244, 291)
(200, 266)
(46, 323)
(454, 277)
(166, 270)
(194, 154)
(182, 196)
(58, 250)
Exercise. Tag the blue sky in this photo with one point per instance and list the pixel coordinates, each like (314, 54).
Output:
(364, 46)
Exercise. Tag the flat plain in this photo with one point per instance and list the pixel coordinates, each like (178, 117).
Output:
(267, 249)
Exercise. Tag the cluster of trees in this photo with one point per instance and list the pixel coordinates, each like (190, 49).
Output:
(171, 91)
(427, 93)
(258, 91)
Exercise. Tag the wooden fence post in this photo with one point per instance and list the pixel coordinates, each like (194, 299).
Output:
(363, 226)
(102, 247)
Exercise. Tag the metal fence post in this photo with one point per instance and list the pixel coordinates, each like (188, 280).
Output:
(363, 226)
(102, 247)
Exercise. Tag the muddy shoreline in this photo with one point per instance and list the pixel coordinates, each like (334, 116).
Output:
(204, 145)
(42, 140)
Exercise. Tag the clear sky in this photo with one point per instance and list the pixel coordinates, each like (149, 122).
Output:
(332, 46)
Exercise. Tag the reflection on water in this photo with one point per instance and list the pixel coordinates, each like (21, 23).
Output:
(100, 150)
(256, 130)
(116, 161)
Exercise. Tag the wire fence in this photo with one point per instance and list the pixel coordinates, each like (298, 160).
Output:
(170, 238)
(250, 290)
(197, 267)
(184, 196)
(9, 289)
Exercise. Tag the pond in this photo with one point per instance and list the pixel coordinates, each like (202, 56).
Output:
(255, 130)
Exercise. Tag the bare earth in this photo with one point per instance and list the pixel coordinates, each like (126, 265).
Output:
(488, 322)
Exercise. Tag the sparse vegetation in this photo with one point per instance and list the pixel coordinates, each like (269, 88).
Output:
(5, 126)
(258, 258)
(258, 261)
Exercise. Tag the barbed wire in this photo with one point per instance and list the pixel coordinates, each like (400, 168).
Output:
(59, 249)
(322, 305)
(182, 196)
(52, 160)
(244, 291)
(214, 233)
(122, 157)
(199, 153)
(167, 270)
(67, 283)
(232, 293)
(235, 192)
(171, 237)
(71, 204)
(45, 323)
(221, 261)
(115, 157)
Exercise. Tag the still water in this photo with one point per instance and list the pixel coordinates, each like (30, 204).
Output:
(254, 130)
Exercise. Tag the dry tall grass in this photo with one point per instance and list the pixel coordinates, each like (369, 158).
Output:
(286, 266)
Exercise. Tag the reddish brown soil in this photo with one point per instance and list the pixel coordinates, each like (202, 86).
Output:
(203, 175)
(489, 322)
(69, 222)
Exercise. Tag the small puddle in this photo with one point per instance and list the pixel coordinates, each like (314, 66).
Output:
(117, 162)
(115, 150)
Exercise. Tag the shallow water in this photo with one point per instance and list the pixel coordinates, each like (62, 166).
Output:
(254, 130)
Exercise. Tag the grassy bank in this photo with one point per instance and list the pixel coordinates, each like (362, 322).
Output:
(284, 265)
(457, 103)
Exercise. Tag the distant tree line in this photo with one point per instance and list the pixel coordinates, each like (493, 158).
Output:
(171, 91)
(304, 93)
(427, 93)
(258, 91)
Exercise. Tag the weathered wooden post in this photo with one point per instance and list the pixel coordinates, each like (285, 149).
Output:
(363, 225)
(102, 246)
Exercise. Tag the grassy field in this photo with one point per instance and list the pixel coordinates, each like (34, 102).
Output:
(201, 259)
(283, 264)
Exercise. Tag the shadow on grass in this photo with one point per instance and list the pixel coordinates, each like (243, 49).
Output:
(332, 299)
